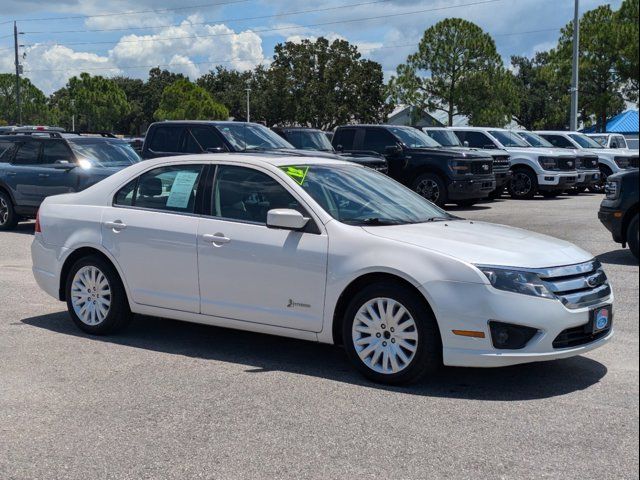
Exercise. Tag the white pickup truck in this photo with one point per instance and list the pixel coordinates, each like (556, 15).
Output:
(546, 171)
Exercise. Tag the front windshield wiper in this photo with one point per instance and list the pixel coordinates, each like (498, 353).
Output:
(438, 219)
(377, 221)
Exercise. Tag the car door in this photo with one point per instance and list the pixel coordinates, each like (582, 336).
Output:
(25, 176)
(253, 273)
(378, 140)
(58, 169)
(151, 231)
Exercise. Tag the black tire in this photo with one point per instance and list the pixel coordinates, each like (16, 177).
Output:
(118, 313)
(431, 187)
(467, 203)
(523, 185)
(632, 236)
(427, 358)
(8, 217)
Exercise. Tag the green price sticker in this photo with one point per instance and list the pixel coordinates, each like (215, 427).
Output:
(298, 174)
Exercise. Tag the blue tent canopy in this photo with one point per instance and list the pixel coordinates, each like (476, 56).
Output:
(625, 123)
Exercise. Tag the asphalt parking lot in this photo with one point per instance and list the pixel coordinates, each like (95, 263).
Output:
(173, 400)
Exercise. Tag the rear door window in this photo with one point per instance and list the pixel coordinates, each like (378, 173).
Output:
(6, 151)
(28, 153)
(167, 138)
(344, 138)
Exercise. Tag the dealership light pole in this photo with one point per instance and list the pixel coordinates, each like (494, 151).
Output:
(248, 104)
(18, 72)
(575, 74)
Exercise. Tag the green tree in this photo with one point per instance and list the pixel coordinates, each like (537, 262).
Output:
(186, 100)
(98, 103)
(627, 21)
(33, 102)
(600, 82)
(323, 84)
(135, 122)
(455, 64)
(230, 88)
(543, 98)
(154, 86)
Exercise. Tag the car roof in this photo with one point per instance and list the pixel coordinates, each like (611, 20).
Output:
(555, 132)
(204, 122)
(247, 159)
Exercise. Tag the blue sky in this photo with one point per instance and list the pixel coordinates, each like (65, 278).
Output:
(111, 37)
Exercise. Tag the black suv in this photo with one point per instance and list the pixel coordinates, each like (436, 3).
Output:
(312, 139)
(619, 209)
(35, 165)
(183, 137)
(441, 175)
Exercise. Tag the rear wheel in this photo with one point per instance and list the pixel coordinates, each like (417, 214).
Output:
(633, 236)
(431, 187)
(96, 298)
(524, 184)
(390, 336)
(8, 217)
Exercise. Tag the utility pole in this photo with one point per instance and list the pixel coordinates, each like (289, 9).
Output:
(576, 63)
(248, 104)
(18, 72)
(73, 115)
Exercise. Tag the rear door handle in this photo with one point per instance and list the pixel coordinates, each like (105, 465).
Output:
(116, 226)
(43, 175)
(11, 174)
(217, 239)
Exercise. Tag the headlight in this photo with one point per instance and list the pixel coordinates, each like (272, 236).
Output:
(622, 162)
(548, 163)
(516, 281)
(612, 190)
(459, 166)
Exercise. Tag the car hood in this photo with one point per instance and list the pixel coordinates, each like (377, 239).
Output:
(486, 243)
(613, 152)
(555, 152)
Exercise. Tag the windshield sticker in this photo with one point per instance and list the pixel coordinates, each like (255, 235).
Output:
(182, 189)
(298, 174)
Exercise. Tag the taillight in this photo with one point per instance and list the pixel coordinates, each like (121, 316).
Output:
(38, 227)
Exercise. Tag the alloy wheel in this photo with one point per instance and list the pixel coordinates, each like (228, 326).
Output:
(91, 295)
(521, 184)
(4, 211)
(385, 336)
(429, 189)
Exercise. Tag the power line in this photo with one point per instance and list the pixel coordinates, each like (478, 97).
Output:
(222, 20)
(101, 15)
(294, 27)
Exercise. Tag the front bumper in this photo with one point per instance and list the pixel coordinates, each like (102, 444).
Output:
(479, 187)
(611, 218)
(472, 306)
(557, 181)
(587, 178)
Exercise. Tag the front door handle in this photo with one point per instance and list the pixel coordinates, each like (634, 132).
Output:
(11, 174)
(217, 239)
(43, 175)
(116, 226)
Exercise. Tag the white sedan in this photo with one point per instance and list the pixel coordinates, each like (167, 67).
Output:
(321, 250)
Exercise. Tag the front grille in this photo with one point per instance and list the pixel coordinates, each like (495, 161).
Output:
(482, 167)
(587, 163)
(577, 286)
(574, 337)
(566, 163)
(501, 163)
(633, 162)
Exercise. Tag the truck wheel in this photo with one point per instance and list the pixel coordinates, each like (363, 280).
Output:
(8, 217)
(633, 236)
(431, 187)
(389, 335)
(524, 184)
(604, 174)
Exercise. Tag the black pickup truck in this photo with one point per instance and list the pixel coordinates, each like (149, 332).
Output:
(183, 137)
(441, 175)
(619, 209)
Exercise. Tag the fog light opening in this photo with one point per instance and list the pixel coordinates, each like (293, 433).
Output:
(507, 336)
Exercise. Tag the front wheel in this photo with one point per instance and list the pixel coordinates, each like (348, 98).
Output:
(96, 298)
(431, 187)
(524, 184)
(8, 217)
(633, 236)
(389, 335)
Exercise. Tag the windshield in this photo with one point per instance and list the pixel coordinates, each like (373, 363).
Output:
(251, 136)
(584, 141)
(509, 139)
(413, 138)
(309, 140)
(535, 140)
(345, 193)
(104, 153)
(446, 138)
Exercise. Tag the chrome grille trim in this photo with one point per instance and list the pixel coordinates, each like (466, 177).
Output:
(577, 286)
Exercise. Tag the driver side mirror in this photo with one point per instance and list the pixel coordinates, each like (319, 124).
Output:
(393, 150)
(286, 218)
(466, 143)
(339, 148)
(64, 165)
